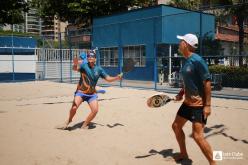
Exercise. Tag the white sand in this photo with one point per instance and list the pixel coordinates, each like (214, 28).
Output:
(125, 131)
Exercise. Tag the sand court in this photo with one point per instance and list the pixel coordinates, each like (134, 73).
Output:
(125, 130)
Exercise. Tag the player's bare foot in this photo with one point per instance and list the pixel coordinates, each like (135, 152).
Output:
(85, 127)
(63, 126)
(212, 163)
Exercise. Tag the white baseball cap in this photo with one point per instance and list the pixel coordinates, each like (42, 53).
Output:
(191, 39)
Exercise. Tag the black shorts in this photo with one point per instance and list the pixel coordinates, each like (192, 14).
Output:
(193, 114)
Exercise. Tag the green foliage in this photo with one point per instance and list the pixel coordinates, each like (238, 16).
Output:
(81, 12)
(231, 76)
(20, 34)
(11, 11)
(9, 33)
(238, 9)
(211, 46)
(40, 41)
(228, 69)
(186, 4)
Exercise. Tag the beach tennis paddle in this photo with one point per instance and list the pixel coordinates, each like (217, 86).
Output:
(128, 65)
(158, 100)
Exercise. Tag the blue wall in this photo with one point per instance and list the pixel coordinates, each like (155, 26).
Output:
(27, 42)
(148, 26)
(134, 27)
(18, 76)
(183, 22)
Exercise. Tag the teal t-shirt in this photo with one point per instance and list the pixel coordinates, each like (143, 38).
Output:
(89, 77)
(194, 72)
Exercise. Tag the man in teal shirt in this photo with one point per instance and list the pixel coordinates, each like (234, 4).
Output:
(196, 106)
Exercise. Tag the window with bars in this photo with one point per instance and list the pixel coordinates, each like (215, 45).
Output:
(137, 53)
(109, 57)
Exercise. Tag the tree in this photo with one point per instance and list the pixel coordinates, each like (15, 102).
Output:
(240, 12)
(83, 11)
(238, 9)
(189, 5)
(212, 47)
(186, 4)
(11, 11)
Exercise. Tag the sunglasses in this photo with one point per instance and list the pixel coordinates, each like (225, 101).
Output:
(91, 56)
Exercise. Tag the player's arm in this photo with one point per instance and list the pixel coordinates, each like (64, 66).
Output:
(180, 94)
(76, 64)
(111, 79)
(108, 78)
(207, 93)
(204, 74)
(207, 98)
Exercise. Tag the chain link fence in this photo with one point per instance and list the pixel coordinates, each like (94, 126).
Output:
(55, 63)
(50, 58)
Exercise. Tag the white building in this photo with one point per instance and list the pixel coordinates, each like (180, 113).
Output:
(34, 24)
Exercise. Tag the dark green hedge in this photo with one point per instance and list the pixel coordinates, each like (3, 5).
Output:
(236, 77)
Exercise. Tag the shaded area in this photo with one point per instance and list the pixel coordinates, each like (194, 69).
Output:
(229, 107)
(220, 129)
(62, 102)
(58, 102)
(167, 153)
(92, 125)
(114, 125)
(208, 129)
(24, 99)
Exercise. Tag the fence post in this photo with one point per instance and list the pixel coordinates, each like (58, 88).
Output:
(120, 61)
(200, 37)
(155, 66)
(43, 57)
(155, 53)
(13, 58)
(169, 78)
(70, 51)
(120, 51)
(60, 54)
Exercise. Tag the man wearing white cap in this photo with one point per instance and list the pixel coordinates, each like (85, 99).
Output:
(196, 106)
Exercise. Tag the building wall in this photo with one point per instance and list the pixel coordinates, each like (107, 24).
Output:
(179, 22)
(33, 22)
(53, 29)
(132, 27)
(151, 25)
(17, 55)
(80, 38)
(148, 27)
